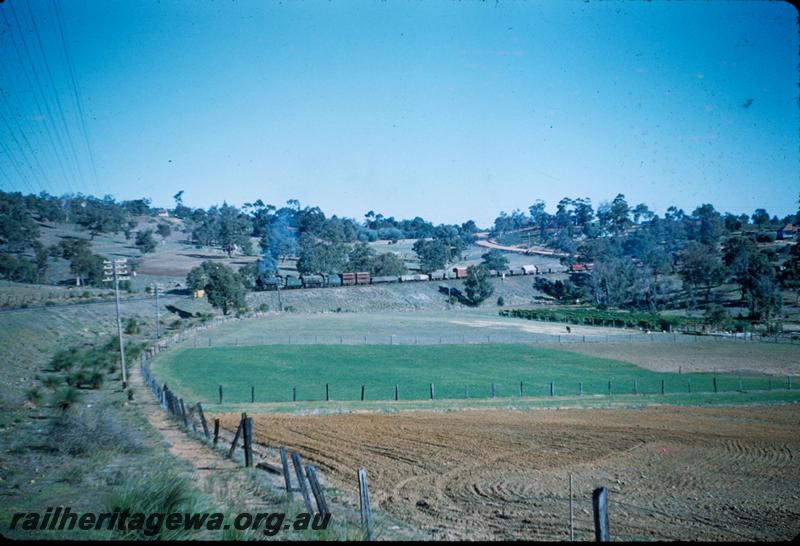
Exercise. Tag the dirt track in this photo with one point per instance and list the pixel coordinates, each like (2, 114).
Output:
(672, 473)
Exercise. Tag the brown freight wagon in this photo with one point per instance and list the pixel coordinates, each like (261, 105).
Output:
(461, 272)
(362, 277)
(348, 279)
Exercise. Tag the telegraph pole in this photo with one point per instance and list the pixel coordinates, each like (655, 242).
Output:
(116, 270)
(158, 317)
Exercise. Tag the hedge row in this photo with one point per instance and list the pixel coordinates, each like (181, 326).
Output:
(595, 317)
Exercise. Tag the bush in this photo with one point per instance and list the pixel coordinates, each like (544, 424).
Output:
(52, 381)
(500, 301)
(34, 395)
(66, 397)
(64, 360)
(159, 492)
(132, 326)
(91, 431)
(263, 307)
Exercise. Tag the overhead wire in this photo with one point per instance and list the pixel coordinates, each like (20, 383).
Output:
(23, 176)
(28, 148)
(76, 93)
(54, 89)
(39, 97)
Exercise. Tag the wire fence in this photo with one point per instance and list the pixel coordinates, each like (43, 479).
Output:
(198, 340)
(670, 384)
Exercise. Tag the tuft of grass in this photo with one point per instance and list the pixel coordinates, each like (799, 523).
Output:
(34, 395)
(65, 398)
(52, 381)
(162, 491)
(91, 431)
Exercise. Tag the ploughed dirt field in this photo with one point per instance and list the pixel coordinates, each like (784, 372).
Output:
(704, 355)
(672, 472)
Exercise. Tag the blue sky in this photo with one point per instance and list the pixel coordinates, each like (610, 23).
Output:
(448, 110)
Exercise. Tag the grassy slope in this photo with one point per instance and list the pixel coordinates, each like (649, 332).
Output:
(275, 369)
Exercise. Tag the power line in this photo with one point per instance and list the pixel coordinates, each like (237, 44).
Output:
(76, 93)
(55, 93)
(13, 159)
(39, 88)
(8, 103)
(24, 138)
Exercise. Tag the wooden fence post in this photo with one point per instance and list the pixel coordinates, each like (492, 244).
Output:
(609, 387)
(715, 384)
(740, 385)
(635, 386)
(366, 511)
(521, 391)
(248, 440)
(252, 394)
(662, 386)
(287, 478)
(580, 389)
(362, 393)
(216, 431)
(203, 421)
(433, 392)
(298, 470)
(552, 388)
(316, 489)
(236, 438)
(571, 511)
(220, 394)
(327, 393)
(397, 392)
(294, 394)
(183, 413)
(494, 391)
(600, 508)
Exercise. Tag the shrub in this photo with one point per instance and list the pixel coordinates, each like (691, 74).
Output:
(34, 395)
(162, 491)
(65, 360)
(263, 307)
(132, 326)
(500, 301)
(66, 397)
(90, 431)
(52, 381)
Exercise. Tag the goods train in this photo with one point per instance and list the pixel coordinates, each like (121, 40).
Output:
(354, 278)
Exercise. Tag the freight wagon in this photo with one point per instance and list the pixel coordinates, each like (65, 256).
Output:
(414, 277)
(362, 277)
(312, 281)
(292, 282)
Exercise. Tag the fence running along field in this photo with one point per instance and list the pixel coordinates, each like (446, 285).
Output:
(690, 384)
(199, 341)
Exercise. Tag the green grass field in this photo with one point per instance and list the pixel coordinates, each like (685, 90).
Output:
(275, 369)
